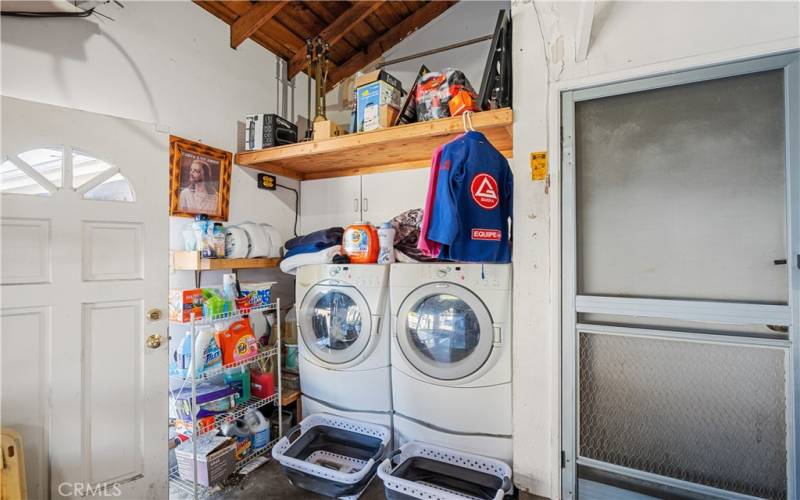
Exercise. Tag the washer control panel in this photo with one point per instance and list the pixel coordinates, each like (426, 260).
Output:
(474, 275)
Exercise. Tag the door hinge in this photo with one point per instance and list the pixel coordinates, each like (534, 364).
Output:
(563, 459)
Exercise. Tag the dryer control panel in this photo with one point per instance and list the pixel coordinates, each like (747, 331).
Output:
(470, 275)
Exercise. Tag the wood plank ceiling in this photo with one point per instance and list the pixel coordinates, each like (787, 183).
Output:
(357, 32)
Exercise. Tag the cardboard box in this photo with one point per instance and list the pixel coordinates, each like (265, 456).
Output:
(215, 459)
(183, 302)
(378, 75)
(373, 100)
(326, 129)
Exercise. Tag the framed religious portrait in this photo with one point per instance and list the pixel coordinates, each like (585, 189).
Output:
(200, 179)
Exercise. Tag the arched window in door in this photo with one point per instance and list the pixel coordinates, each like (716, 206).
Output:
(41, 172)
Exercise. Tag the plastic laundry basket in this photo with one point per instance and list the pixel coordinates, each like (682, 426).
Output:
(422, 470)
(333, 456)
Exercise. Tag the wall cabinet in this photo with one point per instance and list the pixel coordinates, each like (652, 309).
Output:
(329, 202)
(375, 198)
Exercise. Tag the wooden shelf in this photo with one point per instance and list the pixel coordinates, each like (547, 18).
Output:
(289, 396)
(191, 261)
(396, 148)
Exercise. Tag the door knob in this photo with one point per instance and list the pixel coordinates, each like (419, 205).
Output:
(154, 341)
(154, 314)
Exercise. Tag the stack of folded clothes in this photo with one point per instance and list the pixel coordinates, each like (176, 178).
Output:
(319, 247)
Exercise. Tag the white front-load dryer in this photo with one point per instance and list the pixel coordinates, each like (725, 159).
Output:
(451, 355)
(344, 362)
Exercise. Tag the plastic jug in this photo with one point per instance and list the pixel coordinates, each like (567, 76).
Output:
(290, 327)
(238, 342)
(360, 243)
(386, 241)
(206, 349)
(259, 428)
(239, 379)
(183, 356)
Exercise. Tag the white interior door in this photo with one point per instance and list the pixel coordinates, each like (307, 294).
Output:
(84, 245)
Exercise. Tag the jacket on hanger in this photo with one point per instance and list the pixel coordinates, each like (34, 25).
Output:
(472, 204)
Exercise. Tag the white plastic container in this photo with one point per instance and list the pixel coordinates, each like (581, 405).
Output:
(386, 241)
(259, 428)
(206, 350)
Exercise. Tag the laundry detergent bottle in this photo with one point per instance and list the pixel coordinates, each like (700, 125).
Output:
(360, 243)
(259, 428)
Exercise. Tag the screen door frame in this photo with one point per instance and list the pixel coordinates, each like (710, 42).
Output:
(726, 312)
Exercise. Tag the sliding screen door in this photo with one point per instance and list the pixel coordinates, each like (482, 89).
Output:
(680, 284)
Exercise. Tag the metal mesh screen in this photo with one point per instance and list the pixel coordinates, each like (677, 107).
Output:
(705, 413)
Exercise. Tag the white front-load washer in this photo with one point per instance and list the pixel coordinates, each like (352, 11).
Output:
(343, 323)
(451, 356)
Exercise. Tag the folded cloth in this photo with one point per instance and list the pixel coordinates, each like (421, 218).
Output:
(403, 258)
(325, 256)
(341, 259)
(407, 233)
(330, 236)
(309, 248)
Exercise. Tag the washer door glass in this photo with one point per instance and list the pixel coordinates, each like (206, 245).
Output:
(447, 331)
(335, 323)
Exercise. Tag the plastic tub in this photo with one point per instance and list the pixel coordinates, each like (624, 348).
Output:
(333, 456)
(425, 471)
(291, 356)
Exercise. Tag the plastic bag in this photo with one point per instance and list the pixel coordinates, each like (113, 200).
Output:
(435, 91)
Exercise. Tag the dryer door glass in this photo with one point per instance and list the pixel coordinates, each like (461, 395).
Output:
(335, 323)
(446, 330)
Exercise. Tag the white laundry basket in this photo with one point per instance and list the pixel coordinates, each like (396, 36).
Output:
(333, 456)
(424, 471)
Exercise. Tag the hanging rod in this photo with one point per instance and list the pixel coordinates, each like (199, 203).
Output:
(434, 51)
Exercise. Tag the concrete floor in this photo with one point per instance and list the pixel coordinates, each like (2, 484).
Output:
(268, 482)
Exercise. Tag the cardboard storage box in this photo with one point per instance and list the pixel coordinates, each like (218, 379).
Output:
(373, 101)
(378, 75)
(215, 459)
(325, 129)
(183, 302)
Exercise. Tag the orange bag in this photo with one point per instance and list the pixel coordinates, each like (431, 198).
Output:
(238, 342)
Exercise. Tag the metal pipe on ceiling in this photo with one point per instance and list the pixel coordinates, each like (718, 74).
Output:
(434, 51)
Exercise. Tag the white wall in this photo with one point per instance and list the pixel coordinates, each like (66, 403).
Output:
(167, 63)
(629, 40)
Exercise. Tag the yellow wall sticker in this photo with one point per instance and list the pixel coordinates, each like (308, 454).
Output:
(539, 165)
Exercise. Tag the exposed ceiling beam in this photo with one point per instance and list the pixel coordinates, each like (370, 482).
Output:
(388, 40)
(249, 22)
(584, 32)
(335, 31)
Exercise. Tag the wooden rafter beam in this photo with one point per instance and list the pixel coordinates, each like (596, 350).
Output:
(388, 40)
(584, 31)
(335, 31)
(249, 22)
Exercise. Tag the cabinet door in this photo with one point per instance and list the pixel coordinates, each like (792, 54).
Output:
(329, 202)
(388, 194)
